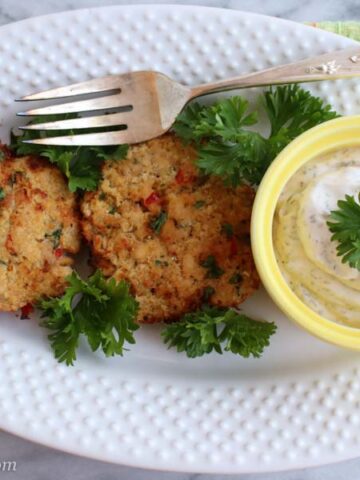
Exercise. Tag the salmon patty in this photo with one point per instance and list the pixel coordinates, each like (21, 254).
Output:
(39, 226)
(178, 238)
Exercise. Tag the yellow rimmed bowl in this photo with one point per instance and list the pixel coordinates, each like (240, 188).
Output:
(329, 136)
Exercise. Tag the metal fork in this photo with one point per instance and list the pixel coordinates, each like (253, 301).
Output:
(150, 101)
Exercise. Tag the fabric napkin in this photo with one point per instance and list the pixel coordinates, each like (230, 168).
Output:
(347, 29)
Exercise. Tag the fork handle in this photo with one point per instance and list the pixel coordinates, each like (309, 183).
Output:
(330, 66)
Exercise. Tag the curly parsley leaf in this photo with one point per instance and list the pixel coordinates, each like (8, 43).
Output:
(235, 162)
(225, 118)
(291, 111)
(199, 204)
(156, 223)
(224, 147)
(187, 119)
(245, 336)
(102, 310)
(81, 165)
(54, 237)
(228, 149)
(227, 229)
(195, 334)
(213, 269)
(235, 279)
(207, 293)
(344, 224)
(216, 329)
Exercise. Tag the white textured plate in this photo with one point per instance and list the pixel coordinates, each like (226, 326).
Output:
(296, 406)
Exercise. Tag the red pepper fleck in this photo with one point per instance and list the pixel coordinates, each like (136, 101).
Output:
(58, 252)
(35, 163)
(152, 198)
(123, 243)
(181, 177)
(26, 310)
(233, 246)
(9, 244)
(46, 267)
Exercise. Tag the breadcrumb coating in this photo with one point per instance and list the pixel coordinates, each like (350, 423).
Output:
(39, 227)
(179, 239)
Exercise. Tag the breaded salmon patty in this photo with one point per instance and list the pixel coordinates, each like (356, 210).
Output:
(179, 239)
(39, 226)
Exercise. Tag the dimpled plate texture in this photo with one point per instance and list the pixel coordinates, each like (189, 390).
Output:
(296, 406)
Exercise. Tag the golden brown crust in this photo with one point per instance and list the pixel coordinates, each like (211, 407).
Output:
(36, 203)
(165, 269)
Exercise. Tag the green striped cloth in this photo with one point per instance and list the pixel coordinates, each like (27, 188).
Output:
(347, 29)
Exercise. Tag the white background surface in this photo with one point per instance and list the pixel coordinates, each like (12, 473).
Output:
(35, 462)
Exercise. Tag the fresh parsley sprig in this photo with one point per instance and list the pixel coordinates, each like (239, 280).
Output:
(291, 110)
(214, 329)
(225, 148)
(344, 224)
(228, 149)
(102, 310)
(81, 165)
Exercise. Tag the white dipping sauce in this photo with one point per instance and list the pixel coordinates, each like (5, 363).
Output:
(306, 255)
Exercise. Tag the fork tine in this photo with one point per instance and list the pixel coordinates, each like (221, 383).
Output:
(111, 101)
(104, 138)
(110, 82)
(85, 122)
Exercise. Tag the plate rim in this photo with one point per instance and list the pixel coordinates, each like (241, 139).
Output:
(186, 468)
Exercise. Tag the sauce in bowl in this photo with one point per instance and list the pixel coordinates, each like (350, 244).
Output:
(302, 241)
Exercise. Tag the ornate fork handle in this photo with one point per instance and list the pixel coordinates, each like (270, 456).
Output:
(342, 64)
